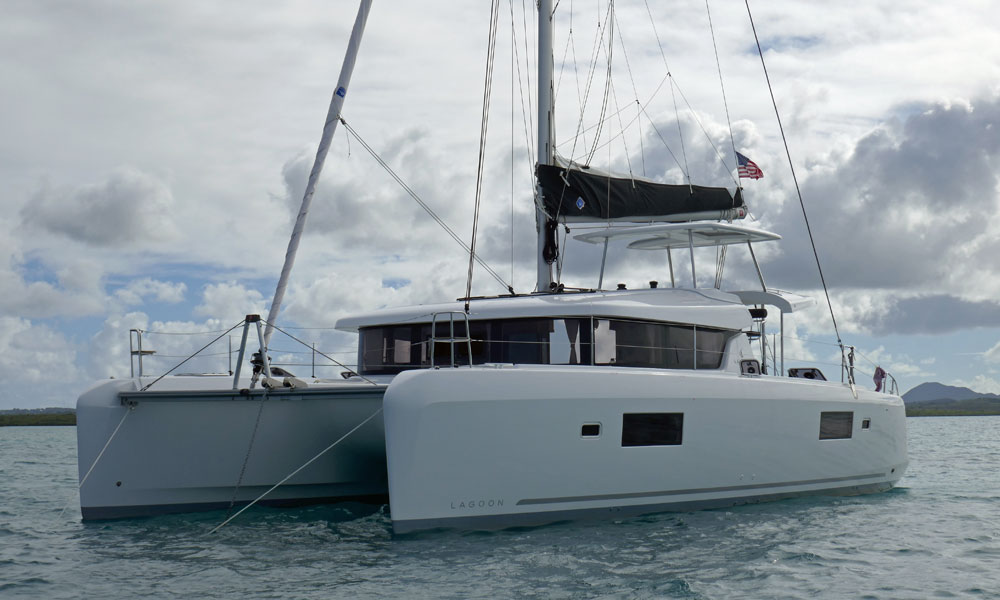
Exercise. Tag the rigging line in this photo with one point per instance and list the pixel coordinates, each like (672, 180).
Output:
(591, 71)
(148, 385)
(598, 46)
(576, 74)
(610, 28)
(609, 53)
(798, 191)
(660, 135)
(621, 125)
(99, 455)
(295, 472)
(635, 92)
(146, 331)
(525, 115)
(718, 65)
(562, 64)
(527, 77)
(512, 155)
(324, 355)
(697, 120)
(634, 119)
(419, 201)
(484, 128)
(677, 114)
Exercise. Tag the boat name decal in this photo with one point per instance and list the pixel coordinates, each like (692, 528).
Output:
(481, 503)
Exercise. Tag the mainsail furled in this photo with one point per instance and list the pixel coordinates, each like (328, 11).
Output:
(576, 194)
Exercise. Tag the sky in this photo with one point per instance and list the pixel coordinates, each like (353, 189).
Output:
(153, 156)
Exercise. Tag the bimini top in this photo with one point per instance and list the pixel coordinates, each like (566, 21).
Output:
(679, 235)
(705, 307)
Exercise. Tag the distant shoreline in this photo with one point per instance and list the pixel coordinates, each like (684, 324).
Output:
(69, 418)
(37, 420)
(970, 407)
(933, 412)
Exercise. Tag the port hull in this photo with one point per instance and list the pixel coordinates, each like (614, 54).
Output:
(197, 445)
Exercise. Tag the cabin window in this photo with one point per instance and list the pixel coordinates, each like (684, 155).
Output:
(836, 425)
(658, 345)
(391, 349)
(652, 429)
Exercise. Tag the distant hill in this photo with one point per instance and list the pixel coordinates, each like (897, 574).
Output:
(933, 391)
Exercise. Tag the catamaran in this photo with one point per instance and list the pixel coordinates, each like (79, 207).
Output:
(517, 409)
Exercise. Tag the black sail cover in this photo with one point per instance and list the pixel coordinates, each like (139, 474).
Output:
(578, 195)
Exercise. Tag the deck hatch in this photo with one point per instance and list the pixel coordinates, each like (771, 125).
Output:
(652, 429)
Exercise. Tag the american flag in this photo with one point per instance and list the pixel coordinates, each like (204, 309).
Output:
(747, 168)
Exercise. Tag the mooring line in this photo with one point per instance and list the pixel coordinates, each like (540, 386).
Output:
(99, 455)
(246, 459)
(296, 471)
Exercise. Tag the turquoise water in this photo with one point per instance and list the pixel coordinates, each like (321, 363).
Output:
(937, 535)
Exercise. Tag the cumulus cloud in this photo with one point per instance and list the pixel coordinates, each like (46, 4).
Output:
(932, 314)
(905, 208)
(128, 206)
(979, 383)
(136, 291)
(993, 354)
(230, 301)
(170, 341)
(358, 206)
(72, 289)
(41, 360)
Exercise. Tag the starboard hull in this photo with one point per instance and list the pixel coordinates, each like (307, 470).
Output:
(492, 448)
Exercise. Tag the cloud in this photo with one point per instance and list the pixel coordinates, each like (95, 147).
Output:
(162, 291)
(37, 289)
(905, 208)
(358, 206)
(230, 301)
(931, 314)
(108, 349)
(39, 365)
(128, 206)
(993, 354)
(978, 383)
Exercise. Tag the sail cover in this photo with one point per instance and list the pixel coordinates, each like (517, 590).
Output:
(578, 194)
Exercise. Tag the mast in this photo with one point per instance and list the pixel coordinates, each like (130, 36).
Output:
(545, 137)
(332, 118)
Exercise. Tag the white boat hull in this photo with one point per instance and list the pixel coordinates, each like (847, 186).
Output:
(499, 447)
(183, 448)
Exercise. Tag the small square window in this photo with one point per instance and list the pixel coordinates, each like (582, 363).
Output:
(866, 424)
(652, 429)
(836, 425)
(590, 430)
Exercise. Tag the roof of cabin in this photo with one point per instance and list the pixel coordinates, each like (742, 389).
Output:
(706, 307)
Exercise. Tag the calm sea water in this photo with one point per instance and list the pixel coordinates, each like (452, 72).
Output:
(935, 536)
